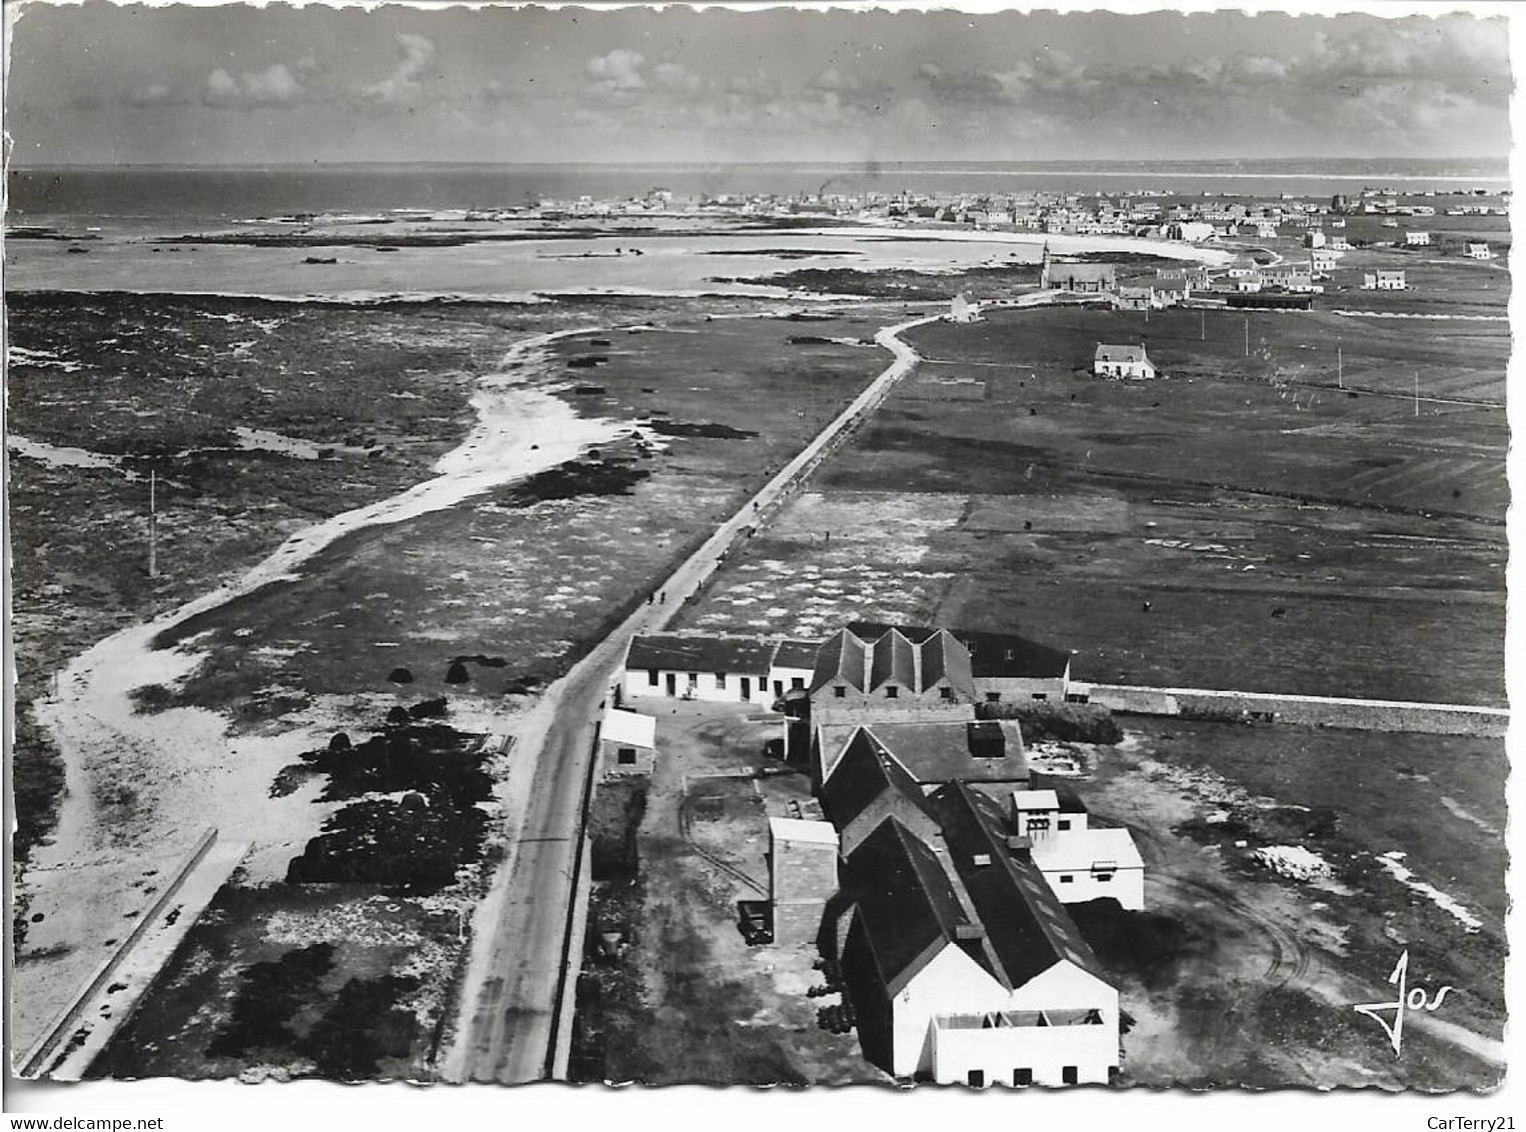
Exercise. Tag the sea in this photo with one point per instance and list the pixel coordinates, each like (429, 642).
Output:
(197, 196)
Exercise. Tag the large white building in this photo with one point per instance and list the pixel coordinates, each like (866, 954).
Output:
(696, 666)
(961, 964)
(1384, 281)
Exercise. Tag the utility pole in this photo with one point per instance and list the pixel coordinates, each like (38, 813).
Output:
(1202, 333)
(153, 525)
(1417, 393)
(1340, 375)
(1247, 336)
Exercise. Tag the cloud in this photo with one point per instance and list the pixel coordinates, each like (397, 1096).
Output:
(402, 84)
(618, 72)
(275, 86)
(677, 78)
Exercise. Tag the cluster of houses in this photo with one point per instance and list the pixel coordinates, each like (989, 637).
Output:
(939, 880)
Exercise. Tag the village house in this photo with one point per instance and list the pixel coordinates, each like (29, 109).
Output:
(1384, 281)
(1314, 238)
(961, 964)
(1417, 239)
(1134, 299)
(697, 666)
(1339, 244)
(627, 743)
(962, 310)
(1128, 362)
(1478, 251)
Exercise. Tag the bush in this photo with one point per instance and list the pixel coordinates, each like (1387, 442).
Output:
(1042, 720)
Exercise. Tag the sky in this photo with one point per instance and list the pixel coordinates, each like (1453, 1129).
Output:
(101, 83)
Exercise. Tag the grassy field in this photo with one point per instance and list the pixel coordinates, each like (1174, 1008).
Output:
(1155, 527)
(1253, 974)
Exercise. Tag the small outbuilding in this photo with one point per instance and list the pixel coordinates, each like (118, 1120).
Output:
(627, 743)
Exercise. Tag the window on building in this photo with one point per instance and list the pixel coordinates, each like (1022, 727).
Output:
(626, 756)
(977, 1078)
(1022, 1075)
(1063, 823)
(1041, 695)
(993, 697)
(797, 682)
(840, 691)
(720, 679)
(946, 693)
(1104, 877)
(892, 692)
(651, 677)
(1070, 1075)
(1067, 878)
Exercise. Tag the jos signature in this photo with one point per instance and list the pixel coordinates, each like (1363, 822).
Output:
(1415, 999)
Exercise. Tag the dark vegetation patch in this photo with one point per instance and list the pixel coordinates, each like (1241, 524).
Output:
(613, 821)
(416, 841)
(272, 996)
(1044, 720)
(362, 1026)
(708, 429)
(1146, 945)
(586, 476)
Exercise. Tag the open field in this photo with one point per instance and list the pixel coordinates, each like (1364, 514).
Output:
(1251, 976)
(1157, 527)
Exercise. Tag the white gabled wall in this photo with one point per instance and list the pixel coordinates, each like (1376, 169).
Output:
(951, 983)
(1045, 1051)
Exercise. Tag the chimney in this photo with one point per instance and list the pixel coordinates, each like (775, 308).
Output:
(969, 931)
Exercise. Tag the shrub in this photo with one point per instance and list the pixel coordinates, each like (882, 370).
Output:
(1042, 720)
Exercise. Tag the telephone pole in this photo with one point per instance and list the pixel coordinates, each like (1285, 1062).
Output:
(153, 525)
(1340, 377)
(1247, 336)
(1202, 330)
(1417, 393)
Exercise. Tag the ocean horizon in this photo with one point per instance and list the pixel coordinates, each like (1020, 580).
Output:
(219, 193)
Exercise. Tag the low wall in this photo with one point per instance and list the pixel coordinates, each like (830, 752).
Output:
(45, 1050)
(1315, 711)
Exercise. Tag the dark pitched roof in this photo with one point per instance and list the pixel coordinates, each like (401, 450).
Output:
(1026, 925)
(941, 750)
(865, 771)
(841, 658)
(905, 899)
(700, 653)
(991, 654)
(894, 660)
(945, 656)
(796, 654)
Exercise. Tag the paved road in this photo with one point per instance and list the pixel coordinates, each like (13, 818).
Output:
(506, 1024)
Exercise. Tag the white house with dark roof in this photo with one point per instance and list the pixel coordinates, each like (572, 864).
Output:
(1478, 251)
(1414, 238)
(1127, 362)
(1080, 863)
(1384, 281)
(699, 666)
